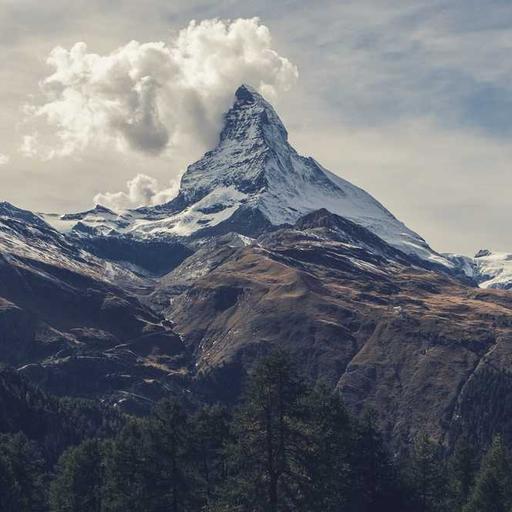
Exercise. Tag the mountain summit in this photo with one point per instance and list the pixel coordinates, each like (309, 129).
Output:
(254, 179)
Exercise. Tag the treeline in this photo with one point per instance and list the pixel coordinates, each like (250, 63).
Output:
(287, 447)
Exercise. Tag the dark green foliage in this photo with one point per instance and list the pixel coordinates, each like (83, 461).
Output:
(22, 475)
(462, 467)
(265, 473)
(77, 486)
(296, 449)
(170, 446)
(53, 423)
(211, 433)
(376, 480)
(151, 466)
(287, 447)
(128, 471)
(493, 487)
(427, 476)
(327, 451)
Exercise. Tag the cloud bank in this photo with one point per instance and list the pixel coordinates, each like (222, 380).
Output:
(4, 159)
(142, 190)
(151, 97)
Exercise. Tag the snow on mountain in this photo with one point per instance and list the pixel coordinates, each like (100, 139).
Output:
(488, 269)
(253, 171)
(101, 219)
(28, 239)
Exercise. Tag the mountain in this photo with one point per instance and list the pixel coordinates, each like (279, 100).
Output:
(73, 323)
(251, 181)
(261, 249)
(413, 344)
(112, 236)
(488, 269)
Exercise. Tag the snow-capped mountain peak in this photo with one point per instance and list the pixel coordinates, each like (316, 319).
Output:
(252, 131)
(254, 179)
(252, 117)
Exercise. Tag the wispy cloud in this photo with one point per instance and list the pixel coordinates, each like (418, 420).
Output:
(388, 60)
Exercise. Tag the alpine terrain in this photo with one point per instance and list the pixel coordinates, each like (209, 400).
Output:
(262, 249)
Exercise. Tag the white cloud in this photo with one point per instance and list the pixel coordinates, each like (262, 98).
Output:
(142, 190)
(152, 97)
(4, 159)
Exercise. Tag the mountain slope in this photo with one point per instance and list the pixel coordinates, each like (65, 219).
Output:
(354, 313)
(71, 321)
(107, 235)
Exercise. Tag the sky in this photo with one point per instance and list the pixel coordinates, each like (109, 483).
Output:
(109, 100)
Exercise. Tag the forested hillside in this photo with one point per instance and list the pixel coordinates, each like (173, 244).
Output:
(287, 446)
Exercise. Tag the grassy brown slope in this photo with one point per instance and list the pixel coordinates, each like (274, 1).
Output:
(389, 335)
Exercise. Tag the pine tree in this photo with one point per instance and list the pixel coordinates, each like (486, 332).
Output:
(463, 465)
(264, 471)
(22, 475)
(170, 457)
(376, 486)
(150, 466)
(77, 486)
(427, 476)
(492, 491)
(326, 453)
(210, 428)
(128, 479)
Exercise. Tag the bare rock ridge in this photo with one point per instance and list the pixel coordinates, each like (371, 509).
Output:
(261, 248)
